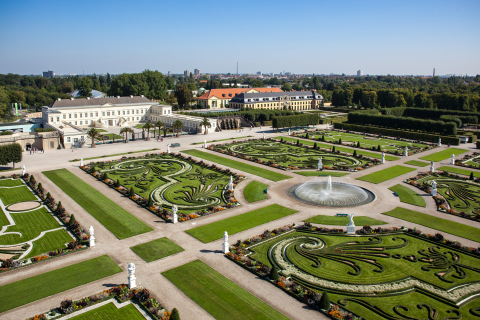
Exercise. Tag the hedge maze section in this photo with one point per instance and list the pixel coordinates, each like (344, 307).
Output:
(389, 276)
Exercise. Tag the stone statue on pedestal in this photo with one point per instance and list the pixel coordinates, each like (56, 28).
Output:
(433, 192)
(132, 280)
(24, 170)
(225, 246)
(168, 148)
(406, 152)
(81, 162)
(264, 136)
(383, 157)
(351, 224)
(453, 159)
(432, 166)
(230, 184)
(175, 216)
(320, 164)
(92, 238)
(289, 131)
(439, 141)
(205, 144)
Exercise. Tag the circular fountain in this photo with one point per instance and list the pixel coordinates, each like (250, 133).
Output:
(331, 194)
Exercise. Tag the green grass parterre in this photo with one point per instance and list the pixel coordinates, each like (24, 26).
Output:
(343, 221)
(110, 312)
(417, 163)
(386, 174)
(408, 195)
(457, 170)
(321, 173)
(255, 191)
(157, 249)
(112, 216)
(444, 154)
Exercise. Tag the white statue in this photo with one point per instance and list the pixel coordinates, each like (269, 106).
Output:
(230, 184)
(383, 157)
(264, 136)
(351, 224)
(24, 170)
(406, 152)
(205, 144)
(175, 216)
(439, 141)
(432, 166)
(288, 131)
(225, 246)
(320, 164)
(81, 162)
(168, 148)
(132, 280)
(92, 238)
(434, 184)
(453, 159)
(433, 191)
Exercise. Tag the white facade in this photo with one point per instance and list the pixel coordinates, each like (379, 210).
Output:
(190, 123)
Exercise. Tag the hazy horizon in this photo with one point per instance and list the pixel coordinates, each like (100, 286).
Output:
(377, 37)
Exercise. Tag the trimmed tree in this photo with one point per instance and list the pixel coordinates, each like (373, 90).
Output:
(174, 315)
(274, 273)
(132, 193)
(72, 220)
(355, 153)
(324, 302)
(471, 176)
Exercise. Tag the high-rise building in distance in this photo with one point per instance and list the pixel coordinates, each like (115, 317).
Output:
(359, 73)
(186, 73)
(196, 73)
(259, 73)
(48, 74)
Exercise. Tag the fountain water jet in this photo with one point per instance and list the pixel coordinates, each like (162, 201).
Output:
(329, 185)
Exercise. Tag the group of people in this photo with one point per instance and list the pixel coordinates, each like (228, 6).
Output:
(159, 139)
(35, 150)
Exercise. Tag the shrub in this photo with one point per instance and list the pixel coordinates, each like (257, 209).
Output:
(324, 302)
(471, 176)
(174, 315)
(132, 193)
(72, 220)
(274, 273)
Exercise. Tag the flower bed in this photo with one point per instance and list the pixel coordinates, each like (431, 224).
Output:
(121, 293)
(472, 158)
(442, 203)
(165, 211)
(75, 245)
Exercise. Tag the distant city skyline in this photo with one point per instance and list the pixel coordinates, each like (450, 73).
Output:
(377, 37)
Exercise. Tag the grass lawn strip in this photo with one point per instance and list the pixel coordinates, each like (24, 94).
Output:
(219, 296)
(215, 230)
(408, 195)
(157, 249)
(116, 154)
(11, 183)
(264, 173)
(417, 163)
(21, 292)
(110, 312)
(444, 154)
(339, 148)
(455, 228)
(386, 174)
(113, 217)
(51, 241)
(222, 140)
(17, 194)
(321, 173)
(343, 221)
(459, 171)
(255, 191)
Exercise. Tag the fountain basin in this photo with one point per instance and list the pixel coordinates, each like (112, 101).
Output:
(331, 194)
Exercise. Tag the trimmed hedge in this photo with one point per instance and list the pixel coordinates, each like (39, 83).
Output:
(423, 113)
(296, 120)
(398, 133)
(6, 133)
(44, 129)
(394, 122)
(333, 120)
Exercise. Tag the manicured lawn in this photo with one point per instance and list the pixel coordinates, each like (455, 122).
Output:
(408, 195)
(339, 148)
(264, 173)
(14, 195)
(116, 154)
(215, 230)
(459, 171)
(255, 191)
(110, 136)
(10, 182)
(455, 228)
(51, 241)
(342, 221)
(113, 217)
(322, 173)
(219, 296)
(444, 154)
(221, 140)
(417, 163)
(386, 174)
(110, 312)
(21, 292)
(157, 249)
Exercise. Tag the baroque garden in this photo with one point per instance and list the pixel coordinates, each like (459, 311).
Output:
(411, 251)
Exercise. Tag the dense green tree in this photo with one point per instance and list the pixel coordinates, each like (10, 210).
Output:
(286, 87)
(86, 88)
(183, 94)
(324, 302)
(174, 315)
(257, 84)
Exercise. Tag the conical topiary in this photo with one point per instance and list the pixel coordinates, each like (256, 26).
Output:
(355, 153)
(471, 176)
(333, 149)
(315, 146)
(324, 302)
(274, 273)
(174, 315)
(358, 144)
(105, 176)
(72, 220)
(150, 202)
(132, 193)
(117, 184)
(340, 141)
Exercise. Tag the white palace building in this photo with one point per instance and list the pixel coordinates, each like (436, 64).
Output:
(72, 117)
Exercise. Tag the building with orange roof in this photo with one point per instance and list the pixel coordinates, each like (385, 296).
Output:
(219, 98)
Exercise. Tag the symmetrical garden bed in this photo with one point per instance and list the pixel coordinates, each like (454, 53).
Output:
(159, 181)
(34, 226)
(470, 161)
(457, 195)
(368, 141)
(291, 156)
(379, 274)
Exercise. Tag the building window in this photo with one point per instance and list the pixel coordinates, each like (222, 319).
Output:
(123, 112)
(103, 113)
(51, 144)
(69, 116)
(108, 113)
(51, 119)
(75, 140)
(137, 112)
(68, 139)
(75, 115)
(58, 119)
(128, 111)
(64, 116)
(137, 118)
(91, 114)
(75, 122)
(86, 115)
(80, 115)
(118, 112)
(96, 114)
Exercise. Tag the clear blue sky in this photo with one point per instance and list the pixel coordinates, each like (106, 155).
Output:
(378, 37)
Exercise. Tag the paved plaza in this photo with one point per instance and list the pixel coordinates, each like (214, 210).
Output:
(149, 274)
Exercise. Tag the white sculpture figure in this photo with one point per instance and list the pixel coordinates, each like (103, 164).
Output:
(168, 148)
(264, 136)
(453, 159)
(92, 238)
(439, 141)
(288, 131)
(81, 162)
(225, 246)
(351, 224)
(230, 184)
(406, 152)
(432, 166)
(383, 157)
(132, 280)
(205, 144)
(24, 170)
(433, 192)
(175, 216)
(320, 164)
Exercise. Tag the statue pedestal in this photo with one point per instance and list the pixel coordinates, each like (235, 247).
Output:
(175, 218)
(433, 192)
(92, 241)
(350, 229)
(225, 247)
(132, 281)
